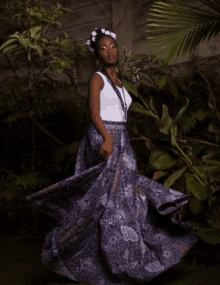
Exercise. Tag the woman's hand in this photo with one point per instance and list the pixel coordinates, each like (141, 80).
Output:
(107, 148)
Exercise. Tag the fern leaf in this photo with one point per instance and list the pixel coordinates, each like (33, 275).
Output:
(190, 122)
(31, 180)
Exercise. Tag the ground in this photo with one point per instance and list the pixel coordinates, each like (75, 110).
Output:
(20, 264)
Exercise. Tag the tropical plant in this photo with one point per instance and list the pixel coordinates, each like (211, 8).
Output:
(35, 61)
(200, 175)
(180, 27)
(35, 94)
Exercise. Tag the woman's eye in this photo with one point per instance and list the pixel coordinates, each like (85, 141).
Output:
(104, 48)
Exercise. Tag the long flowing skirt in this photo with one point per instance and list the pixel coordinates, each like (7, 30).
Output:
(114, 226)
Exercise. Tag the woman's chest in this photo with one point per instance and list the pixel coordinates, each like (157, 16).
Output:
(117, 82)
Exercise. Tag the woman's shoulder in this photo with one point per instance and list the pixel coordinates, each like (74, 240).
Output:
(96, 77)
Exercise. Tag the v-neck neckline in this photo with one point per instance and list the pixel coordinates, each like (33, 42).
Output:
(113, 81)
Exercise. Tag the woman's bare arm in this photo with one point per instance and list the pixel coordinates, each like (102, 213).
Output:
(95, 86)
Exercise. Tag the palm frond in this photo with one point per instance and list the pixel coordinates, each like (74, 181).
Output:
(182, 28)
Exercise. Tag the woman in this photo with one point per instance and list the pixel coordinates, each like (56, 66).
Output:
(115, 226)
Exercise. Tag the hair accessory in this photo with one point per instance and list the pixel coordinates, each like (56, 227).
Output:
(94, 34)
(113, 35)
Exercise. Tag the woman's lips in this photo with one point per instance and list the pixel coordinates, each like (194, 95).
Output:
(111, 58)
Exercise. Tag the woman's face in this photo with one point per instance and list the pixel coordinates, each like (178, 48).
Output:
(108, 51)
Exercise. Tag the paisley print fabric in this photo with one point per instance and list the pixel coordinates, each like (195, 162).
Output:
(114, 226)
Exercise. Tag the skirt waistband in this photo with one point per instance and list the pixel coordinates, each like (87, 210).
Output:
(112, 124)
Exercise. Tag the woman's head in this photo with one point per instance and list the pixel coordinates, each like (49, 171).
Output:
(107, 51)
(104, 46)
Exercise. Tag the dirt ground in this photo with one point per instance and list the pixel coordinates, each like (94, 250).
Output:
(20, 264)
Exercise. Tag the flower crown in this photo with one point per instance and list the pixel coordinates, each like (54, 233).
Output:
(106, 32)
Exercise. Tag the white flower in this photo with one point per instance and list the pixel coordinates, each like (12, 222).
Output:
(88, 42)
(107, 33)
(113, 35)
(94, 33)
(103, 31)
(91, 49)
(93, 39)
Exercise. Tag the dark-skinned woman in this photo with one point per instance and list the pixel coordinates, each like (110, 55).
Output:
(115, 226)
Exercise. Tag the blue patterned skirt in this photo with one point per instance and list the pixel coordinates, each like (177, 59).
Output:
(115, 226)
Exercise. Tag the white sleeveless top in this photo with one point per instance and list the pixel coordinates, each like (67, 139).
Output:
(110, 105)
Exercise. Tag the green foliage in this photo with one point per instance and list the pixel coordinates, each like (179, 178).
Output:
(209, 235)
(161, 160)
(29, 180)
(34, 94)
(198, 169)
(189, 122)
(174, 176)
(196, 206)
(195, 188)
(181, 27)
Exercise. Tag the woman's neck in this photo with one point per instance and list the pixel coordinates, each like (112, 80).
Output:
(111, 72)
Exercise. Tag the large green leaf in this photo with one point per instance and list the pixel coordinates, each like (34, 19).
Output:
(38, 48)
(166, 121)
(34, 30)
(7, 43)
(195, 188)
(161, 82)
(24, 42)
(173, 89)
(136, 107)
(130, 87)
(161, 160)
(174, 176)
(209, 235)
(180, 27)
(10, 48)
(173, 133)
(196, 206)
(181, 112)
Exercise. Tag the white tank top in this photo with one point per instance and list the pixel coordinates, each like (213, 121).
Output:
(110, 105)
